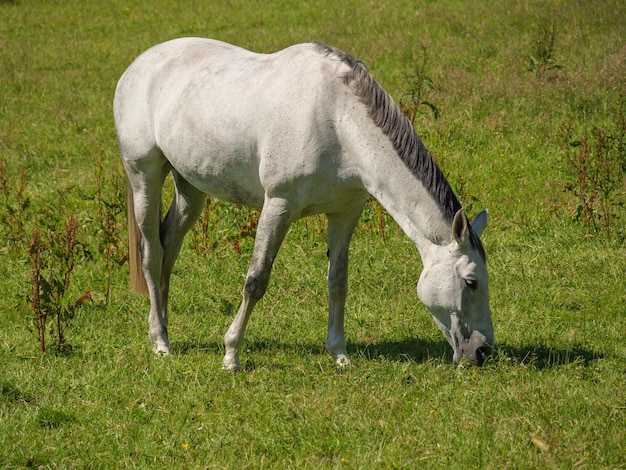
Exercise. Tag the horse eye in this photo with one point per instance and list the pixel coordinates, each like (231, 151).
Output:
(471, 284)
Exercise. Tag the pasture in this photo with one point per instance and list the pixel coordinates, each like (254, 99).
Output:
(528, 96)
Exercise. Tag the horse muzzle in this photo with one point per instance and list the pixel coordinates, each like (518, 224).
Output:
(476, 348)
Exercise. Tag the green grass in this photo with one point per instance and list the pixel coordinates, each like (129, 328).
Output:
(551, 397)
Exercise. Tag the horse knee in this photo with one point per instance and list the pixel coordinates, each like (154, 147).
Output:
(255, 286)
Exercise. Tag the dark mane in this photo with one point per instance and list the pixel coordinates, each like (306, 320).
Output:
(387, 115)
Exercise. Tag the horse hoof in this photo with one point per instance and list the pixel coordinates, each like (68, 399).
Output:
(161, 352)
(231, 364)
(161, 349)
(342, 360)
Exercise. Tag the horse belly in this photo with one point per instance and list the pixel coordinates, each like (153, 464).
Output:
(224, 176)
(211, 150)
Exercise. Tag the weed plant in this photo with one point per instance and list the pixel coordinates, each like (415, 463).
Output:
(419, 84)
(542, 58)
(597, 163)
(52, 261)
(550, 397)
(14, 206)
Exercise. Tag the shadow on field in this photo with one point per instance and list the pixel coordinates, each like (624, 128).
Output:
(405, 350)
(544, 357)
(409, 350)
(420, 350)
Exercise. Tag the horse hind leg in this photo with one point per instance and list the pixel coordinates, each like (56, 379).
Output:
(146, 180)
(271, 230)
(185, 209)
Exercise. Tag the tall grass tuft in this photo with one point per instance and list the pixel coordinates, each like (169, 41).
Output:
(14, 204)
(596, 162)
(419, 85)
(542, 57)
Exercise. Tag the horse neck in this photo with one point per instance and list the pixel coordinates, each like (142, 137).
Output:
(388, 179)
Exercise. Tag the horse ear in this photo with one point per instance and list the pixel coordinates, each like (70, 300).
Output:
(459, 227)
(480, 223)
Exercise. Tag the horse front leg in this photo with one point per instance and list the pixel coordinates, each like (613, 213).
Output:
(340, 229)
(271, 230)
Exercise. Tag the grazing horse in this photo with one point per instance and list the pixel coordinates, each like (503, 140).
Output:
(303, 131)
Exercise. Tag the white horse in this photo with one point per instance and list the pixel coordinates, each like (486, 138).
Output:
(303, 131)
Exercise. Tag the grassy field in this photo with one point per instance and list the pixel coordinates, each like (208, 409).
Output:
(507, 79)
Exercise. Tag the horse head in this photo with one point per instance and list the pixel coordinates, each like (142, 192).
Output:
(454, 287)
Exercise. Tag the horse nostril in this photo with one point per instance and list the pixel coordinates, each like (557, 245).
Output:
(478, 356)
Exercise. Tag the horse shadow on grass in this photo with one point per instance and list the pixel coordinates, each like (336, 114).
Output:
(420, 350)
(417, 350)
(546, 357)
(414, 349)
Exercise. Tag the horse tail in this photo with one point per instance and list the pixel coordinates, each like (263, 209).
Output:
(137, 279)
